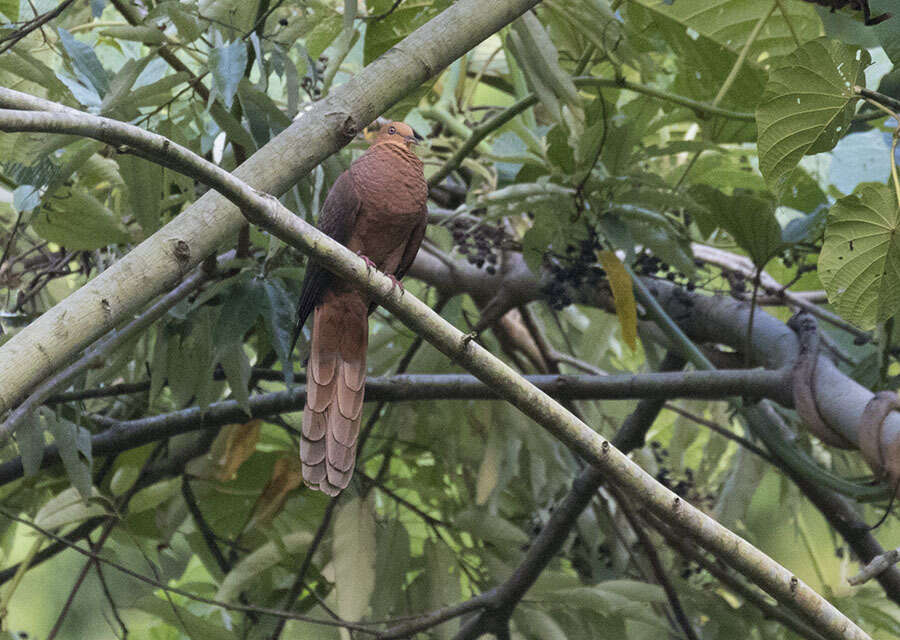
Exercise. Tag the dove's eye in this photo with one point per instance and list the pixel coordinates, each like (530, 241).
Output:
(392, 130)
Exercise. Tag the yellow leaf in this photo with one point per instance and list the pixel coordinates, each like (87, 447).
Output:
(285, 478)
(234, 444)
(623, 294)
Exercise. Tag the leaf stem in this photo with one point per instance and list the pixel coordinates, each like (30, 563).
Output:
(742, 56)
(790, 24)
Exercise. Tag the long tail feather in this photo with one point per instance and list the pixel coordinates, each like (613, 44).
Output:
(335, 384)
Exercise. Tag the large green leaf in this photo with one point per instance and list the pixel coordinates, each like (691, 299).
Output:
(888, 32)
(808, 104)
(703, 65)
(10, 9)
(77, 220)
(384, 33)
(730, 23)
(860, 260)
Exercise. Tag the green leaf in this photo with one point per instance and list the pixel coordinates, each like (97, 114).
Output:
(888, 32)
(278, 312)
(730, 23)
(74, 444)
(237, 371)
(703, 64)
(190, 357)
(138, 33)
(559, 153)
(323, 34)
(807, 106)
(492, 528)
(750, 221)
(226, 64)
(242, 306)
(178, 617)
(391, 564)
(144, 182)
(251, 567)
(67, 507)
(77, 220)
(860, 261)
(535, 623)
(85, 62)
(10, 9)
(443, 582)
(383, 34)
(353, 553)
(30, 440)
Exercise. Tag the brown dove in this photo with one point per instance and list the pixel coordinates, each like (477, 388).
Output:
(377, 209)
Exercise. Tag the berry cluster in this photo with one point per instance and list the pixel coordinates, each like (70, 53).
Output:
(578, 267)
(311, 81)
(480, 244)
(684, 488)
(648, 265)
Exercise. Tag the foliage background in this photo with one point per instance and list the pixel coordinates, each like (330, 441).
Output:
(641, 137)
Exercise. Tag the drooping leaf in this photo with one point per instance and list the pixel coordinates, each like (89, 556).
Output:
(353, 550)
(860, 260)
(489, 469)
(623, 294)
(391, 565)
(278, 312)
(443, 582)
(144, 182)
(74, 444)
(286, 477)
(85, 62)
(237, 372)
(808, 104)
(234, 444)
(226, 64)
(30, 440)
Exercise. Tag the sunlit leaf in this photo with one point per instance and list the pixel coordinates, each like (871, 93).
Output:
(860, 260)
(808, 104)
